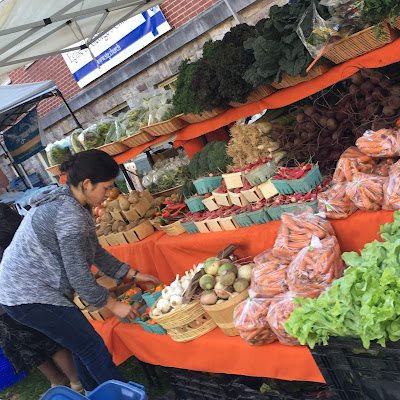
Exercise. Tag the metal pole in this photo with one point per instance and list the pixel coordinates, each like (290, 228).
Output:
(127, 177)
(45, 166)
(13, 166)
(69, 108)
(204, 139)
(233, 12)
(149, 158)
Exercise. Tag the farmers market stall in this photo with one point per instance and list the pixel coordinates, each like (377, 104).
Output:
(166, 256)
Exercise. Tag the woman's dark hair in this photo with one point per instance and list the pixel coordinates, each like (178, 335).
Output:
(95, 165)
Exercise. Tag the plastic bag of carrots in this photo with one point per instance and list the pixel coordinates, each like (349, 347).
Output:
(382, 143)
(279, 311)
(366, 191)
(335, 202)
(315, 267)
(268, 277)
(352, 160)
(296, 231)
(391, 189)
(383, 167)
(250, 320)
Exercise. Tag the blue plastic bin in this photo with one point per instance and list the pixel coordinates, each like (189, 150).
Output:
(7, 376)
(110, 390)
(195, 203)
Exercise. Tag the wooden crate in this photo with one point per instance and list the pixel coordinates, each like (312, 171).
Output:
(213, 225)
(252, 195)
(103, 241)
(228, 224)
(97, 314)
(238, 199)
(138, 211)
(210, 203)
(139, 232)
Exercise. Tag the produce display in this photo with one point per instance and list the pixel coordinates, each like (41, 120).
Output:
(362, 303)
(59, 151)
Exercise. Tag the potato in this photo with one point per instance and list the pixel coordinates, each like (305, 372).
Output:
(107, 230)
(107, 217)
(150, 213)
(100, 232)
(114, 203)
(124, 204)
(110, 209)
(132, 225)
(133, 193)
(134, 199)
(117, 208)
(118, 224)
(121, 228)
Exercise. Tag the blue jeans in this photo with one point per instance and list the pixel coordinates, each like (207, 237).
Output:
(69, 327)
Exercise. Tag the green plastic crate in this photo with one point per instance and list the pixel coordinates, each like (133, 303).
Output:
(207, 184)
(260, 216)
(282, 186)
(243, 219)
(151, 298)
(308, 182)
(289, 208)
(159, 330)
(190, 227)
(260, 174)
(275, 212)
(313, 204)
(195, 204)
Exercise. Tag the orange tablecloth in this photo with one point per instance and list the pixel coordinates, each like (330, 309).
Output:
(166, 256)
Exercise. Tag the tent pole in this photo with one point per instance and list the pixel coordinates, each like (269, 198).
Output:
(127, 177)
(13, 166)
(45, 166)
(68, 108)
(26, 177)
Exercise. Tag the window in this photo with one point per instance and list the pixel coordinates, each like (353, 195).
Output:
(123, 107)
(169, 83)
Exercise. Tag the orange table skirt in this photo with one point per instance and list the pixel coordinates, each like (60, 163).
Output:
(167, 256)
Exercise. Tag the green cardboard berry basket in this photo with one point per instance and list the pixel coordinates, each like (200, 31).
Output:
(158, 329)
(207, 184)
(142, 309)
(260, 216)
(308, 182)
(243, 219)
(195, 203)
(275, 212)
(190, 227)
(282, 186)
(151, 298)
(260, 174)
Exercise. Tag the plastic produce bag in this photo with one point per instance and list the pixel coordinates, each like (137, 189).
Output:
(116, 132)
(296, 231)
(76, 144)
(131, 117)
(279, 312)
(163, 113)
(90, 138)
(335, 202)
(58, 151)
(382, 143)
(391, 189)
(268, 277)
(366, 191)
(104, 126)
(351, 161)
(383, 167)
(250, 320)
(315, 267)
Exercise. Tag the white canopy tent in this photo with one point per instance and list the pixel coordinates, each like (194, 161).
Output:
(35, 29)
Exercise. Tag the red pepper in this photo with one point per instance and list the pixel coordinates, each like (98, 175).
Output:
(178, 211)
(157, 214)
(168, 202)
(175, 206)
(166, 214)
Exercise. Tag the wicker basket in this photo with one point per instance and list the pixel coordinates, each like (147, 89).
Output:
(168, 192)
(222, 313)
(185, 323)
(165, 127)
(114, 148)
(288, 81)
(194, 118)
(257, 93)
(360, 43)
(174, 229)
(396, 23)
(136, 140)
(156, 224)
(55, 169)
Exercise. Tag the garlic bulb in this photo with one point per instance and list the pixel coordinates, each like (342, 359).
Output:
(175, 301)
(166, 293)
(178, 291)
(175, 283)
(185, 284)
(163, 305)
(157, 312)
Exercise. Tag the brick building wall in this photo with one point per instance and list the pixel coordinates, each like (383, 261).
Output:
(177, 13)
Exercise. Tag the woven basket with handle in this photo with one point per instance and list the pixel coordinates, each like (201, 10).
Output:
(186, 323)
(288, 81)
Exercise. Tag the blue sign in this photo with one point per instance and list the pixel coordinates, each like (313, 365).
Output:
(23, 140)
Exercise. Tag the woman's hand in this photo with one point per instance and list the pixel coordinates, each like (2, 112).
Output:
(146, 278)
(122, 310)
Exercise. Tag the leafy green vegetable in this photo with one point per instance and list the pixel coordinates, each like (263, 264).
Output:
(76, 144)
(377, 10)
(187, 190)
(171, 179)
(279, 49)
(58, 151)
(364, 303)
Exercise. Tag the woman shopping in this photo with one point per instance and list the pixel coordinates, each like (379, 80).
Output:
(50, 258)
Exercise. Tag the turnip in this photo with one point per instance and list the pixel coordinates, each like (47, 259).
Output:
(222, 291)
(211, 266)
(227, 266)
(357, 78)
(388, 111)
(207, 282)
(240, 284)
(208, 298)
(394, 102)
(227, 277)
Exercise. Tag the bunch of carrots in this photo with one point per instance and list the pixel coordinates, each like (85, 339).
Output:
(269, 275)
(382, 143)
(335, 202)
(250, 320)
(391, 189)
(296, 232)
(366, 191)
(278, 314)
(315, 268)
